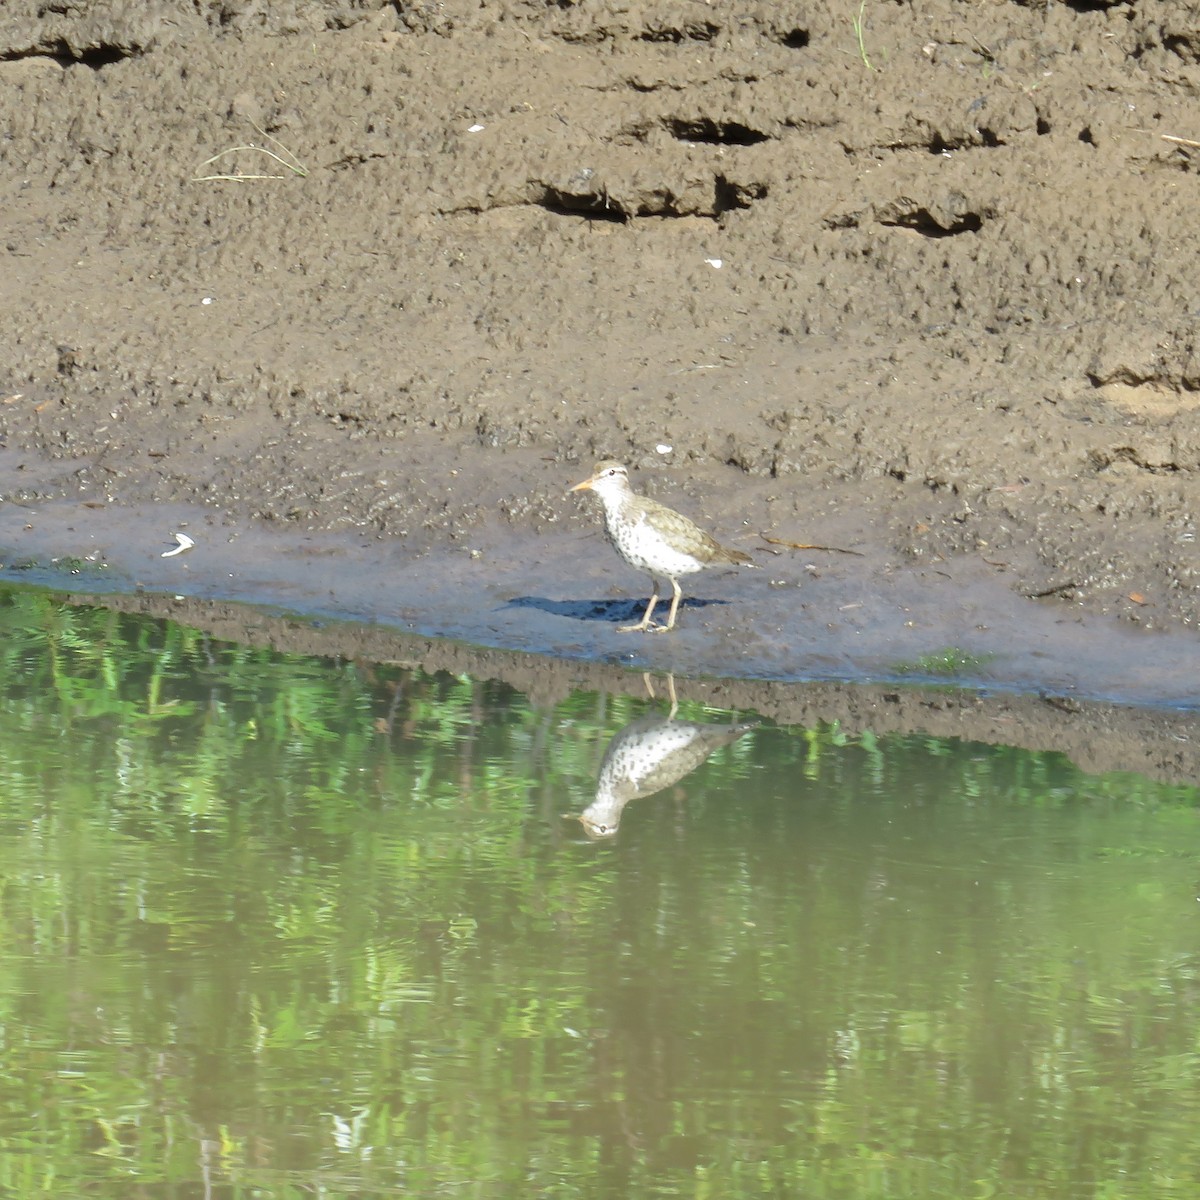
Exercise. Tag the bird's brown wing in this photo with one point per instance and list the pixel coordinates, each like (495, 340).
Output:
(687, 536)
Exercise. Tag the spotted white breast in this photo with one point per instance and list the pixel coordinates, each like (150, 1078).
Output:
(644, 547)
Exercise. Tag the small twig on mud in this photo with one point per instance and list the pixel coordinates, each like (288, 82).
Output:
(285, 159)
(857, 22)
(1057, 589)
(1167, 137)
(984, 52)
(806, 546)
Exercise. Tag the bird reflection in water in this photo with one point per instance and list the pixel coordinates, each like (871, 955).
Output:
(648, 755)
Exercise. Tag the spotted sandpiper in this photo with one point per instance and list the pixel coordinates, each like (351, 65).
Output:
(647, 756)
(653, 538)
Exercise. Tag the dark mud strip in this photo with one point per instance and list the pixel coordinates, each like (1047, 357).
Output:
(1099, 737)
(798, 617)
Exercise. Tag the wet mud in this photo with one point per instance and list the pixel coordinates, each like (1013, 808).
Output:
(1097, 736)
(358, 289)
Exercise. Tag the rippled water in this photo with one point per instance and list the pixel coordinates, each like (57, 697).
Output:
(275, 926)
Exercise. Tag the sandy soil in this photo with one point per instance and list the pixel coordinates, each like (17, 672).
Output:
(922, 287)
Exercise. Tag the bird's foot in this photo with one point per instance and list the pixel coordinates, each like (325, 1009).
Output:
(640, 627)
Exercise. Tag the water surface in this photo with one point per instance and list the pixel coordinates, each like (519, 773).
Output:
(282, 926)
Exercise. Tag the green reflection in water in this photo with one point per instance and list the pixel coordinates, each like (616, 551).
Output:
(276, 926)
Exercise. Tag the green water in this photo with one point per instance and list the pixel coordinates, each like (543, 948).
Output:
(283, 927)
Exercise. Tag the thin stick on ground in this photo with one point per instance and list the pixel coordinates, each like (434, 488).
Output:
(807, 546)
(285, 159)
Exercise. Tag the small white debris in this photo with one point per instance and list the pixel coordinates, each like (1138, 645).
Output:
(185, 543)
(476, 128)
(206, 300)
(715, 263)
(663, 448)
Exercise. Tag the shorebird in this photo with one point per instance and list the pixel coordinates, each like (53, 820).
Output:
(646, 756)
(653, 538)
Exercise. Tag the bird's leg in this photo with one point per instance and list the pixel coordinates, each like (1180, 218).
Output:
(644, 623)
(674, 608)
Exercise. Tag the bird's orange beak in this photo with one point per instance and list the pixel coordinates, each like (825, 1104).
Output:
(579, 487)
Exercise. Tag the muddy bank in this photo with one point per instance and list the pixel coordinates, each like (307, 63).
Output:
(1098, 737)
(801, 615)
(1095, 690)
(923, 288)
